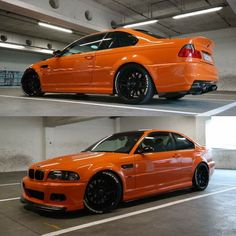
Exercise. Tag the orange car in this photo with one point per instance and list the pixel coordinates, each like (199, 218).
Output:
(121, 167)
(133, 64)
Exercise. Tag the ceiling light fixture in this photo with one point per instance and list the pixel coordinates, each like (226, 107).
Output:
(54, 27)
(46, 51)
(195, 13)
(12, 46)
(141, 23)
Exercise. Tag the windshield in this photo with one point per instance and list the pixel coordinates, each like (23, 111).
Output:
(118, 143)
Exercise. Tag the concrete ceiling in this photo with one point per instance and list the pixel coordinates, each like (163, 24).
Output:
(156, 8)
(14, 23)
(134, 10)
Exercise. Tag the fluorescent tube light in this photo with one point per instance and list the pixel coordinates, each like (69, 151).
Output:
(46, 51)
(54, 27)
(141, 23)
(198, 12)
(12, 46)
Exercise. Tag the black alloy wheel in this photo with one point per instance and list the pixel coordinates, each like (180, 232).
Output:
(103, 193)
(31, 84)
(134, 85)
(201, 177)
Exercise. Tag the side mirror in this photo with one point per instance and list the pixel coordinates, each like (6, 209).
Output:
(57, 53)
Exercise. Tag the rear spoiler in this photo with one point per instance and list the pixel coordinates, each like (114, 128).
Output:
(205, 42)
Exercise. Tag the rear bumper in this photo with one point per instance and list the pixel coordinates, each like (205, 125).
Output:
(201, 87)
(211, 166)
(181, 76)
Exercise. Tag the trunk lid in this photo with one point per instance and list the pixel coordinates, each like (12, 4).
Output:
(205, 46)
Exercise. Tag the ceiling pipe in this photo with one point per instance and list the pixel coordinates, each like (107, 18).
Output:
(174, 14)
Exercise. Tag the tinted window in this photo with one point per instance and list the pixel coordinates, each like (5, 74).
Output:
(118, 143)
(87, 44)
(158, 142)
(118, 39)
(183, 143)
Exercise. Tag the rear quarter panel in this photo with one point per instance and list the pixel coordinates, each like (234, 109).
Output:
(154, 57)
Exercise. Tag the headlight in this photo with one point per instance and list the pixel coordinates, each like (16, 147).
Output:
(63, 175)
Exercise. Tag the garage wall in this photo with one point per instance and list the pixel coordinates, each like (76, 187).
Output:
(21, 143)
(74, 138)
(13, 63)
(25, 140)
(184, 125)
(16, 60)
(225, 52)
(221, 140)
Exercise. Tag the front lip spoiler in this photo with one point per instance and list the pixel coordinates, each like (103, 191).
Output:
(43, 207)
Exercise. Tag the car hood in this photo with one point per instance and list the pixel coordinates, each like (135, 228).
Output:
(76, 161)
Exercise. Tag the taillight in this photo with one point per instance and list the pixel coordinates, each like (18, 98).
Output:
(189, 51)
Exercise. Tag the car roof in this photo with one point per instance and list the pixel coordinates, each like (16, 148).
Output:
(137, 33)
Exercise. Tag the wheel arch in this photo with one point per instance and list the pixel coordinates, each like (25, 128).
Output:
(117, 71)
(111, 170)
(198, 163)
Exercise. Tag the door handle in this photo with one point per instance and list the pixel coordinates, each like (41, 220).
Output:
(89, 57)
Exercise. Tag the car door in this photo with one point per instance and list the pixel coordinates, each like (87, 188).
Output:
(186, 149)
(72, 70)
(113, 48)
(157, 165)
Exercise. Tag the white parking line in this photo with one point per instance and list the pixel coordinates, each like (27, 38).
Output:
(219, 110)
(9, 199)
(119, 217)
(3, 185)
(209, 99)
(102, 105)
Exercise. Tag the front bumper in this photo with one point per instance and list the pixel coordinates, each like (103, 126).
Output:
(52, 196)
(42, 207)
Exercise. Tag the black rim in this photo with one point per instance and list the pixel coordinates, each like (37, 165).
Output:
(31, 84)
(202, 177)
(102, 193)
(132, 85)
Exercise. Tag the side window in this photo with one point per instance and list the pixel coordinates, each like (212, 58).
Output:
(158, 142)
(117, 40)
(87, 44)
(183, 143)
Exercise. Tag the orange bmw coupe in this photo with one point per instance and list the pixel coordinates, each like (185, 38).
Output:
(122, 167)
(134, 64)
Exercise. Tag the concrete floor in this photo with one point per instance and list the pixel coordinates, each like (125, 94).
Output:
(14, 103)
(211, 213)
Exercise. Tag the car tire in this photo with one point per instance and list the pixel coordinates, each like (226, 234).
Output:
(134, 85)
(201, 177)
(103, 193)
(30, 84)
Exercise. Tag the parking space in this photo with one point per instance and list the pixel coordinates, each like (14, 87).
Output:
(196, 213)
(13, 102)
